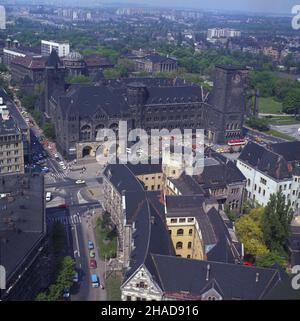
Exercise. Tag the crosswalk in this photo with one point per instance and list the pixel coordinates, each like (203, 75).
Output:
(59, 175)
(66, 220)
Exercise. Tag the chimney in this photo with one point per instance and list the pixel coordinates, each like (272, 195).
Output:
(207, 272)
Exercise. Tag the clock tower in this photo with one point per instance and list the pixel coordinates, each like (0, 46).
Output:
(228, 103)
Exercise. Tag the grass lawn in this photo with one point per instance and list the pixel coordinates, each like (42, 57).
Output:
(268, 105)
(282, 120)
(107, 246)
(279, 134)
(112, 284)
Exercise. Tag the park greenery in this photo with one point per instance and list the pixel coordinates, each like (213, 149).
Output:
(264, 231)
(64, 266)
(79, 79)
(106, 236)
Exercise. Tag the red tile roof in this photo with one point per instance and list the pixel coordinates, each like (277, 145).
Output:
(30, 62)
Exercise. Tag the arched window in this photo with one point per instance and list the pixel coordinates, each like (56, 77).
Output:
(180, 231)
(179, 245)
(97, 128)
(189, 245)
(85, 132)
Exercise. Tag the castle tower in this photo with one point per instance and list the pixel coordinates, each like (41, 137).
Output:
(228, 103)
(54, 78)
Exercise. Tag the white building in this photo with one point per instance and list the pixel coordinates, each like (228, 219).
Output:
(2, 18)
(270, 170)
(62, 49)
(216, 33)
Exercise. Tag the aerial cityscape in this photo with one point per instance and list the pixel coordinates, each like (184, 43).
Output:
(149, 151)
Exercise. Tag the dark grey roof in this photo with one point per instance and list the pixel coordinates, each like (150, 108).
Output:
(178, 94)
(14, 111)
(144, 169)
(187, 185)
(185, 278)
(53, 60)
(227, 249)
(219, 244)
(289, 150)
(22, 218)
(122, 178)
(192, 206)
(8, 127)
(157, 58)
(151, 235)
(219, 175)
(269, 161)
(231, 67)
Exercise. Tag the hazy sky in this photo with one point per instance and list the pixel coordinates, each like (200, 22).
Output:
(275, 6)
(267, 6)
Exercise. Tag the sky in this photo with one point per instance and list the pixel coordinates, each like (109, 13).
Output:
(262, 6)
(267, 6)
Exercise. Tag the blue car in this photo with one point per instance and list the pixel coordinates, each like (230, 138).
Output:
(91, 245)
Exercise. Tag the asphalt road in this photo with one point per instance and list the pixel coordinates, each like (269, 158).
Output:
(77, 217)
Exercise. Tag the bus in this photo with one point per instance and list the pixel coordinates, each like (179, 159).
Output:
(239, 142)
(95, 281)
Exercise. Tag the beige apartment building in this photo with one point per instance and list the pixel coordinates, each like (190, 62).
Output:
(11, 145)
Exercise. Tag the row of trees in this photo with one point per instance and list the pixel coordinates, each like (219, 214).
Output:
(64, 280)
(63, 266)
(264, 231)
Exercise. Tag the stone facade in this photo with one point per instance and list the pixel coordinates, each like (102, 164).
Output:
(79, 111)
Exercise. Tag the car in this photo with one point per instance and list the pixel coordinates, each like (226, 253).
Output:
(56, 155)
(76, 277)
(90, 245)
(93, 264)
(95, 281)
(61, 163)
(48, 196)
(80, 181)
(66, 294)
(45, 169)
(92, 254)
(64, 167)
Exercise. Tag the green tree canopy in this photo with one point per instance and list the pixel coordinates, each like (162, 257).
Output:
(276, 222)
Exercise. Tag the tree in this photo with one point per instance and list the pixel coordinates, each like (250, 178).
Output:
(248, 228)
(276, 221)
(272, 258)
(79, 79)
(291, 104)
(258, 123)
(49, 130)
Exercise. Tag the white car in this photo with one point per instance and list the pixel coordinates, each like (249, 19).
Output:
(80, 181)
(64, 167)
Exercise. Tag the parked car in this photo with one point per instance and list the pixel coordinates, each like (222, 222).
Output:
(92, 254)
(76, 277)
(93, 264)
(91, 245)
(66, 294)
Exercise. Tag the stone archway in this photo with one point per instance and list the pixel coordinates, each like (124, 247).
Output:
(87, 151)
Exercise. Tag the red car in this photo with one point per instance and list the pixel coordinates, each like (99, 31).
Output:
(93, 264)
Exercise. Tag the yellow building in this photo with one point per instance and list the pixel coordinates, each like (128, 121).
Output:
(152, 182)
(186, 237)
